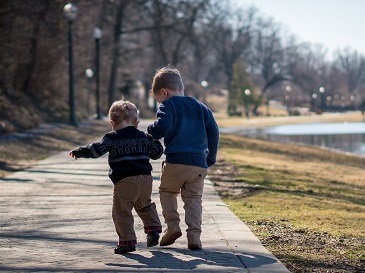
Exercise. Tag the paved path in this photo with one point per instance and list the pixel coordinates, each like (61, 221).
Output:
(56, 217)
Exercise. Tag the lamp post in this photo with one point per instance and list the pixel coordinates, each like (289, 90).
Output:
(321, 90)
(343, 103)
(89, 73)
(97, 36)
(247, 102)
(336, 101)
(70, 11)
(353, 100)
(313, 102)
(287, 98)
(204, 84)
(329, 103)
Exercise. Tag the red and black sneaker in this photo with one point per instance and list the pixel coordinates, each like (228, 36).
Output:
(152, 238)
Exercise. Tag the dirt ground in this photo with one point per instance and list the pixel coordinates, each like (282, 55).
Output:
(21, 150)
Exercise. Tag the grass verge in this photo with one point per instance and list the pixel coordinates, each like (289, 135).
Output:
(306, 204)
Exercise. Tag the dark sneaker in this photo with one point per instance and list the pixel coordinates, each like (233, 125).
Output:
(194, 247)
(124, 249)
(152, 238)
(194, 242)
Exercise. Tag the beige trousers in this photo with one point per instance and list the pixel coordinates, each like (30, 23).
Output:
(189, 180)
(134, 192)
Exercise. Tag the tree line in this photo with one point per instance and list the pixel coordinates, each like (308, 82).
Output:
(229, 48)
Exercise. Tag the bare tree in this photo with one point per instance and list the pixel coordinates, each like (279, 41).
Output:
(231, 37)
(118, 30)
(352, 64)
(203, 38)
(310, 70)
(265, 58)
(29, 57)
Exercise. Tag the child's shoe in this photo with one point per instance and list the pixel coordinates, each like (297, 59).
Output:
(124, 249)
(170, 235)
(152, 238)
(194, 247)
(194, 242)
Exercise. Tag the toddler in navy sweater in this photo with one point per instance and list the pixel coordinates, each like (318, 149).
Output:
(130, 170)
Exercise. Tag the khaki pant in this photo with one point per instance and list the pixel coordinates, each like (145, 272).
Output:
(134, 192)
(190, 181)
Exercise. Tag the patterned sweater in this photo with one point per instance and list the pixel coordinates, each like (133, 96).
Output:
(190, 132)
(129, 152)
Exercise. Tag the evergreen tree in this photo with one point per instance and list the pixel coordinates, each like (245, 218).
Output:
(240, 82)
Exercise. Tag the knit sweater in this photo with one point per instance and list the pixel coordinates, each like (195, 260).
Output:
(129, 152)
(190, 132)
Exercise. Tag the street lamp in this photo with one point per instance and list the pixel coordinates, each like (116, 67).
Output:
(343, 102)
(70, 11)
(287, 98)
(329, 103)
(204, 84)
(353, 100)
(247, 102)
(89, 73)
(97, 36)
(321, 90)
(313, 101)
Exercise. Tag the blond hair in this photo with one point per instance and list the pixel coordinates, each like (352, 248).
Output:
(121, 110)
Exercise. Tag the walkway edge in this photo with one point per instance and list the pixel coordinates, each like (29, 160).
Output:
(246, 246)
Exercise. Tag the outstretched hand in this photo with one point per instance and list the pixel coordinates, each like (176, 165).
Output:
(72, 155)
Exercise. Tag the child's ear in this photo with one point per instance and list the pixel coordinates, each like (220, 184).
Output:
(164, 92)
(112, 122)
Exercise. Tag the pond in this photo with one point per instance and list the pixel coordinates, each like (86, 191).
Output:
(345, 137)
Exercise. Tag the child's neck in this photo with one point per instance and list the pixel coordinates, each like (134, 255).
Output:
(123, 124)
(174, 93)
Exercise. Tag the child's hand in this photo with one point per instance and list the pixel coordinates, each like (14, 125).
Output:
(72, 155)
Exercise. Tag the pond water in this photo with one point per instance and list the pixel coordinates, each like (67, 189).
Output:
(345, 137)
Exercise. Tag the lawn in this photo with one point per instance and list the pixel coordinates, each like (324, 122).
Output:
(306, 204)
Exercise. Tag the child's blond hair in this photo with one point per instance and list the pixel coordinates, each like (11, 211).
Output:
(121, 110)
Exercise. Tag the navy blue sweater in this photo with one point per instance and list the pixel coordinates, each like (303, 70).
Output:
(190, 132)
(129, 152)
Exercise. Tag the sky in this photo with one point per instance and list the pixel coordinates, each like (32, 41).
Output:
(335, 24)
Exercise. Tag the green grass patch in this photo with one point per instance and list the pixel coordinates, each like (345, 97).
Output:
(306, 204)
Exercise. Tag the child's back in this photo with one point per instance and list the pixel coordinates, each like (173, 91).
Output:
(189, 131)
(191, 138)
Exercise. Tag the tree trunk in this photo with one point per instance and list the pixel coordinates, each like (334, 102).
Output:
(115, 51)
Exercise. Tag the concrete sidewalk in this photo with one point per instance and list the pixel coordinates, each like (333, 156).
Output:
(56, 217)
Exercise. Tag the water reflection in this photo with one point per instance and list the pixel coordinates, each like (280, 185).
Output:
(352, 143)
(346, 137)
(318, 129)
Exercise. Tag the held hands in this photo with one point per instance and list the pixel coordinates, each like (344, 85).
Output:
(72, 155)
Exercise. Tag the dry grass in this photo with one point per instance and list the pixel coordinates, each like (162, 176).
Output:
(225, 121)
(21, 153)
(306, 204)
